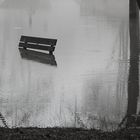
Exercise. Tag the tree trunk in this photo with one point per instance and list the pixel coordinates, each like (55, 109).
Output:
(133, 79)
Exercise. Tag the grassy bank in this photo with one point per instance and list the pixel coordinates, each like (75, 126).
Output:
(67, 134)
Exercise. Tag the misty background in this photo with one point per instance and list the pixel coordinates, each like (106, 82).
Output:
(88, 88)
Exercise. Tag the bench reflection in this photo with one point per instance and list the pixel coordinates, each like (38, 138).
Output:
(38, 56)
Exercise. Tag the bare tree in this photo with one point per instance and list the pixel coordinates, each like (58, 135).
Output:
(133, 79)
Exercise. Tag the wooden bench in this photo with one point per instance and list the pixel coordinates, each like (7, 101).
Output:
(44, 44)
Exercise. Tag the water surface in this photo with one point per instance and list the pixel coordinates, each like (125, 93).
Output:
(89, 83)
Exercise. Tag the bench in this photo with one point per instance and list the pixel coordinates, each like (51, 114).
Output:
(38, 43)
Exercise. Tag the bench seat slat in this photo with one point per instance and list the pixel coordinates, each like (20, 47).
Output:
(34, 46)
(38, 40)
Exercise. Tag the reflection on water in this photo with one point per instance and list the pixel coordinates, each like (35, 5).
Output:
(89, 85)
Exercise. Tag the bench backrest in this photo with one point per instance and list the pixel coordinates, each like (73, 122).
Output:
(37, 43)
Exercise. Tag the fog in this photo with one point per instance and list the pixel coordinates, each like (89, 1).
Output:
(88, 87)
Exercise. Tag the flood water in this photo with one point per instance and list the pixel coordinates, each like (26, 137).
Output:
(88, 88)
